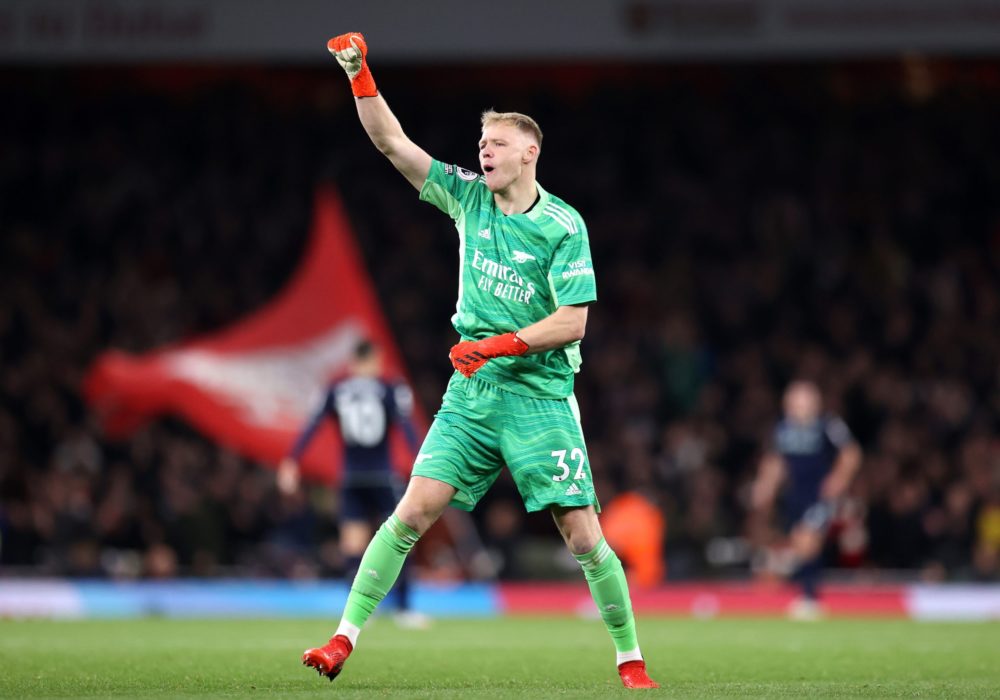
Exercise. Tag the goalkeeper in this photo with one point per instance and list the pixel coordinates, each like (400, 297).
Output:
(525, 283)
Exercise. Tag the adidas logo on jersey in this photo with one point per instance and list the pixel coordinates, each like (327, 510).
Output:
(573, 490)
(485, 233)
(520, 256)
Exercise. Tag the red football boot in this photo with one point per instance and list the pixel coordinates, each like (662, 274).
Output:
(634, 675)
(328, 660)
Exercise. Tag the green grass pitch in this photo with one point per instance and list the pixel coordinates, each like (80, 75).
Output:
(500, 658)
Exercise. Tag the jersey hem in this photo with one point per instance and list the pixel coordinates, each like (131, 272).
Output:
(506, 386)
(538, 506)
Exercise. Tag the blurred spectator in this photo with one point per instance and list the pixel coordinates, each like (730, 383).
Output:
(635, 527)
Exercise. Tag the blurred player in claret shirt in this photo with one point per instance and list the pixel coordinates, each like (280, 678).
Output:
(810, 464)
(365, 406)
(526, 281)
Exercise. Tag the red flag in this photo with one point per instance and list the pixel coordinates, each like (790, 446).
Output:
(252, 386)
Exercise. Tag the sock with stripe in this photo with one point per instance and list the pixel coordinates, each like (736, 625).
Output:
(606, 578)
(379, 569)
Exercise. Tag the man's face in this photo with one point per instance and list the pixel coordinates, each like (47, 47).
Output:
(803, 402)
(370, 366)
(504, 151)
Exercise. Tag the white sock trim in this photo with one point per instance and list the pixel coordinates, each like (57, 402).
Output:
(623, 656)
(351, 632)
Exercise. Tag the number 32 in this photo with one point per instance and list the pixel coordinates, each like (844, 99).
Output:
(576, 454)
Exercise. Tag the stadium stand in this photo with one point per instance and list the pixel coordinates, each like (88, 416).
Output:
(748, 225)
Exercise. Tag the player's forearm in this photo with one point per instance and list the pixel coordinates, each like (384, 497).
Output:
(381, 124)
(309, 432)
(565, 325)
(765, 488)
(302, 442)
(383, 128)
(386, 133)
(410, 433)
(844, 468)
(763, 493)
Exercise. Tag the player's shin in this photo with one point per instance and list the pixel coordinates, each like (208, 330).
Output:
(606, 578)
(379, 569)
(807, 576)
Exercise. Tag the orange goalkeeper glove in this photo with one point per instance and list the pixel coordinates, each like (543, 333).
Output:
(469, 357)
(350, 50)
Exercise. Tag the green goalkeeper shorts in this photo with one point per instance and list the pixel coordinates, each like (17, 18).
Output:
(481, 427)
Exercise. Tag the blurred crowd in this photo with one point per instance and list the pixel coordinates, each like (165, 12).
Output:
(748, 225)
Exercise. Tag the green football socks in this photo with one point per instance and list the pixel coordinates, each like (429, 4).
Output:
(380, 566)
(383, 560)
(606, 579)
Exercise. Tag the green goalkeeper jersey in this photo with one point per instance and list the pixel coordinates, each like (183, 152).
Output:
(515, 270)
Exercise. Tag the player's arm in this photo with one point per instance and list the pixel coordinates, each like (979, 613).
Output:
(763, 492)
(379, 122)
(288, 470)
(563, 326)
(410, 433)
(847, 462)
(769, 476)
(839, 479)
(402, 397)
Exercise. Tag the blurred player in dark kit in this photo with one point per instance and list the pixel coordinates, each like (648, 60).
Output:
(365, 407)
(810, 464)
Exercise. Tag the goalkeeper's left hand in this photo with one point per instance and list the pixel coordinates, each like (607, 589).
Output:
(469, 357)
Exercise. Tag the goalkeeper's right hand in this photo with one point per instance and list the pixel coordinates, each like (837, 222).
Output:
(350, 50)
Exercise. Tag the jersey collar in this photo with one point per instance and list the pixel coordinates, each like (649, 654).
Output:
(539, 208)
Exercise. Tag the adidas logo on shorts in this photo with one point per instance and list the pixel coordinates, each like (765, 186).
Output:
(573, 490)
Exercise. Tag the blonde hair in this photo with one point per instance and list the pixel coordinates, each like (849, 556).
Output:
(522, 122)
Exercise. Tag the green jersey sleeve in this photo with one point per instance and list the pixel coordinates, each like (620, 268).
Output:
(451, 189)
(572, 272)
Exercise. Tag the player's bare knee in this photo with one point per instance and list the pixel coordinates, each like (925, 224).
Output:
(424, 501)
(579, 527)
(582, 544)
(416, 514)
(806, 543)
